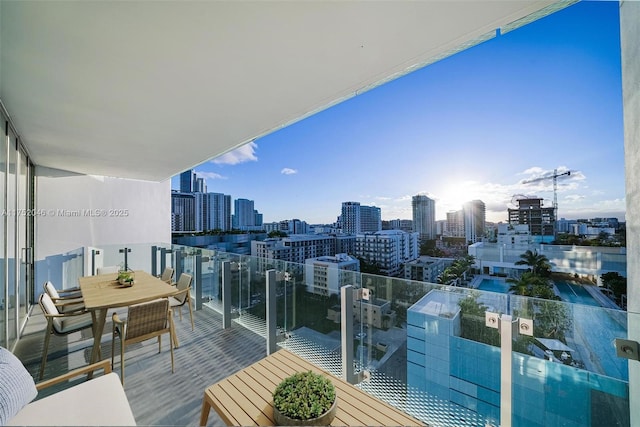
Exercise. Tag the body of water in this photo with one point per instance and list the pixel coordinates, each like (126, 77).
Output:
(494, 285)
(569, 292)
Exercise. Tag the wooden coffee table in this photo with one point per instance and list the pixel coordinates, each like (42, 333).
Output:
(245, 398)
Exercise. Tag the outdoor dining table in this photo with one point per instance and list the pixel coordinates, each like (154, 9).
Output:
(103, 292)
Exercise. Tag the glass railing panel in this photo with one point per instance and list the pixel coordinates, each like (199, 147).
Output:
(65, 270)
(208, 285)
(309, 300)
(567, 373)
(136, 256)
(248, 292)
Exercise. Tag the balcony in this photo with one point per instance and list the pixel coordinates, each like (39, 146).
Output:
(430, 355)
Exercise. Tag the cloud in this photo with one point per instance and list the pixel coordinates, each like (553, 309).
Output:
(245, 153)
(210, 175)
(288, 171)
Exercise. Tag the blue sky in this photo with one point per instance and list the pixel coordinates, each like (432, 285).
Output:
(473, 126)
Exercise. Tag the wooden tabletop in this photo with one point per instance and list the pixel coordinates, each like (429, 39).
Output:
(245, 398)
(104, 291)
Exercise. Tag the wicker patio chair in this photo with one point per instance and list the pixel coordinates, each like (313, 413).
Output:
(144, 321)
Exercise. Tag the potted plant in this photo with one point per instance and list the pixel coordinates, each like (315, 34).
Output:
(304, 399)
(126, 277)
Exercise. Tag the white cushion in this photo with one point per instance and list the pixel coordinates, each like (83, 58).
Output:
(100, 401)
(16, 385)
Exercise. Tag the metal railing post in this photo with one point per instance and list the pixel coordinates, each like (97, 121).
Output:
(163, 258)
(125, 251)
(154, 260)
(179, 257)
(346, 330)
(272, 328)
(506, 324)
(226, 294)
(198, 281)
(94, 252)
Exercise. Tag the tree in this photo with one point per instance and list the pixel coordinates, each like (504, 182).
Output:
(370, 267)
(551, 319)
(538, 264)
(457, 271)
(531, 285)
(472, 321)
(616, 283)
(428, 248)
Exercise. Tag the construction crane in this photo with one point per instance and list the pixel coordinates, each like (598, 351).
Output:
(555, 177)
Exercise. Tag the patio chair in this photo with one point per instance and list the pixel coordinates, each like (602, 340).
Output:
(183, 296)
(65, 300)
(167, 275)
(107, 270)
(60, 324)
(144, 321)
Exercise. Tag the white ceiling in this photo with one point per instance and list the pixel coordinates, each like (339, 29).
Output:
(148, 89)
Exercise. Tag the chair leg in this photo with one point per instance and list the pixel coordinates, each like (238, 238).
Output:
(45, 350)
(190, 311)
(174, 338)
(113, 345)
(122, 360)
(171, 333)
(159, 343)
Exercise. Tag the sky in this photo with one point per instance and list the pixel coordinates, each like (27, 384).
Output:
(476, 125)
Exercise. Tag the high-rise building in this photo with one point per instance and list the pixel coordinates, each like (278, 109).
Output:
(474, 213)
(370, 219)
(217, 211)
(389, 249)
(350, 217)
(190, 182)
(257, 218)
(424, 216)
(244, 217)
(187, 179)
(199, 185)
(357, 218)
(401, 224)
(541, 220)
(183, 211)
(455, 224)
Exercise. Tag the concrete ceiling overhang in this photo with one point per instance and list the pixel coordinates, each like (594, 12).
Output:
(146, 90)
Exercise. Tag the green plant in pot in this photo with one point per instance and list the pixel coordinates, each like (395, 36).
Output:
(126, 277)
(304, 398)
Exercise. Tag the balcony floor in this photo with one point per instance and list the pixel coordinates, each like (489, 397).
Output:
(157, 397)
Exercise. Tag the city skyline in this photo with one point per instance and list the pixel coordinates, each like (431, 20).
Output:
(473, 126)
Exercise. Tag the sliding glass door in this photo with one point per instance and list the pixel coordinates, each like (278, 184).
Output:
(16, 236)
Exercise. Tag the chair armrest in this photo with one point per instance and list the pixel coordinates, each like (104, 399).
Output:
(60, 302)
(69, 294)
(78, 312)
(69, 290)
(116, 320)
(178, 293)
(103, 364)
